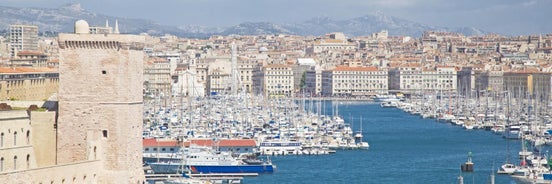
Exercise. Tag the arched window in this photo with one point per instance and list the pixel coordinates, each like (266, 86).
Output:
(15, 163)
(2, 139)
(1, 164)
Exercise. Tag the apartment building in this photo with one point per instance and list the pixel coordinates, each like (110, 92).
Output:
(245, 75)
(332, 45)
(313, 80)
(406, 78)
(157, 76)
(354, 81)
(22, 83)
(23, 38)
(525, 84)
(440, 78)
(29, 59)
(274, 80)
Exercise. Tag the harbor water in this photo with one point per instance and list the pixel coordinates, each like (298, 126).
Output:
(403, 149)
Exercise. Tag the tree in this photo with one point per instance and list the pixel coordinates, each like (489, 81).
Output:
(303, 81)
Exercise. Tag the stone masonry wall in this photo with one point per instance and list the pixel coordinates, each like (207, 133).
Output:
(100, 103)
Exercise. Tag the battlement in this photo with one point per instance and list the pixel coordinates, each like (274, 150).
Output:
(101, 41)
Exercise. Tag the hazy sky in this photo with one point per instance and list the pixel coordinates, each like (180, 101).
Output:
(502, 16)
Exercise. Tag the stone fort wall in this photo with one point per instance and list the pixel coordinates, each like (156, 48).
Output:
(100, 103)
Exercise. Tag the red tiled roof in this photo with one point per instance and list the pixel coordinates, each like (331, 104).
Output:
(24, 70)
(161, 143)
(225, 142)
(346, 68)
(277, 66)
(25, 52)
(157, 60)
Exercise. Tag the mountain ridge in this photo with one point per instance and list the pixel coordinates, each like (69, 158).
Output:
(61, 19)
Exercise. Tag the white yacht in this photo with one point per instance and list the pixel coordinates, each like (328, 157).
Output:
(507, 169)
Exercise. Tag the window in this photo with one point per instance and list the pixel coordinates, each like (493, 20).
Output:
(147, 149)
(1, 164)
(15, 163)
(28, 161)
(104, 133)
(2, 139)
(28, 137)
(15, 138)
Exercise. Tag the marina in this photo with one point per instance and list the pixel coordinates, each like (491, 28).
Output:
(403, 149)
(409, 137)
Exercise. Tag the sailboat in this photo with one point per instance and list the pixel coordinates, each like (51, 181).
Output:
(508, 168)
(358, 136)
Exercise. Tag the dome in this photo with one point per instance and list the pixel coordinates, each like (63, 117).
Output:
(263, 49)
(81, 27)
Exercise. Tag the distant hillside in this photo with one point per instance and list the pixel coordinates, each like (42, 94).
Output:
(62, 19)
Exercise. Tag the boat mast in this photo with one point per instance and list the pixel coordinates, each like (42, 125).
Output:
(361, 129)
(508, 125)
(234, 71)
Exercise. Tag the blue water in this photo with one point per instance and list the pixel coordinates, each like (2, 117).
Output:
(403, 149)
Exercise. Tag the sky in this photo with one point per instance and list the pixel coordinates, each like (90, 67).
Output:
(509, 17)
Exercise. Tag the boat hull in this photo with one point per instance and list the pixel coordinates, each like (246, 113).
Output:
(167, 168)
(171, 168)
(232, 169)
(511, 135)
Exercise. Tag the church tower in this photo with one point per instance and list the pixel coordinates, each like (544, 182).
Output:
(100, 102)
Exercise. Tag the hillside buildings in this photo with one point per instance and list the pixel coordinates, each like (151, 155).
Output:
(438, 61)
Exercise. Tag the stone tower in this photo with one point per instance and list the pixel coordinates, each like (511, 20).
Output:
(100, 102)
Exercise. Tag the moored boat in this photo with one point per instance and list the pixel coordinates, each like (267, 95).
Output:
(206, 160)
(389, 104)
(507, 169)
